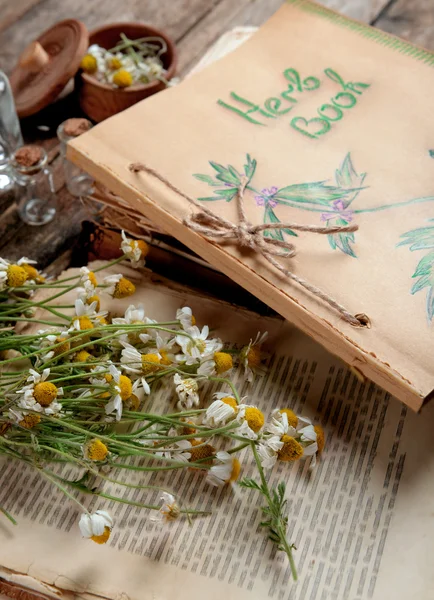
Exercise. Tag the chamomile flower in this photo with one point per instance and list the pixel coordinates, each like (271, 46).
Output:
(221, 411)
(251, 356)
(185, 317)
(95, 450)
(11, 275)
(251, 421)
(119, 286)
(86, 316)
(58, 338)
(135, 250)
(33, 275)
(88, 281)
(96, 526)
(280, 442)
(196, 346)
(25, 419)
(219, 364)
(169, 510)
(187, 391)
(141, 364)
(134, 315)
(164, 350)
(122, 389)
(225, 472)
(40, 395)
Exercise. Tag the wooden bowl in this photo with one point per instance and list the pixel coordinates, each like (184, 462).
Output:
(100, 100)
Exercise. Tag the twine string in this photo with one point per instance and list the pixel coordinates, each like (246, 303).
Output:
(246, 235)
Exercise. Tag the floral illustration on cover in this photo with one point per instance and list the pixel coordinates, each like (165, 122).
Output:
(422, 238)
(336, 202)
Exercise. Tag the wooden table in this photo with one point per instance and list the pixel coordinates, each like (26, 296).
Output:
(194, 25)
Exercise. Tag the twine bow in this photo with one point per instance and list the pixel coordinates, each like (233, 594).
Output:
(246, 235)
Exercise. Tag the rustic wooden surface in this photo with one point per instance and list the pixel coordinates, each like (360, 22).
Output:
(194, 25)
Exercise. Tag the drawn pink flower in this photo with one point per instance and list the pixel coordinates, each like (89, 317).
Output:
(338, 210)
(266, 197)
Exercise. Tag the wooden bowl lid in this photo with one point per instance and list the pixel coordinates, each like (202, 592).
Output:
(47, 64)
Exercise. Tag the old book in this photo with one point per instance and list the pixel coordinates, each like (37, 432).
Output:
(324, 121)
(365, 507)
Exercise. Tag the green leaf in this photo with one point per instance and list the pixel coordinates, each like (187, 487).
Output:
(271, 217)
(206, 179)
(226, 174)
(420, 284)
(250, 167)
(430, 303)
(317, 193)
(347, 178)
(431, 153)
(342, 241)
(425, 265)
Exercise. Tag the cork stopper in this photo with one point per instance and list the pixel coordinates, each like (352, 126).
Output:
(75, 127)
(28, 156)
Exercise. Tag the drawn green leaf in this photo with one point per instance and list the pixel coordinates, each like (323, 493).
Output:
(347, 178)
(226, 174)
(271, 217)
(316, 192)
(206, 179)
(342, 241)
(250, 167)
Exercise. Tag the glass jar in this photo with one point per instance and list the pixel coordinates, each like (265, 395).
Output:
(78, 182)
(10, 134)
(35, 194)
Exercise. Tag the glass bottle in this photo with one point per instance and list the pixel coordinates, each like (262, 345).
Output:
(10, 134)
(78, 182)
(35, 193)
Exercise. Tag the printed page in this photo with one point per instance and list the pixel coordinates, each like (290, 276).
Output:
(361, 520)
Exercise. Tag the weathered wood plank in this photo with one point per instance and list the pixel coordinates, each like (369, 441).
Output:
(176, 18)
(12, 11)
(228, 14)
(412, 20)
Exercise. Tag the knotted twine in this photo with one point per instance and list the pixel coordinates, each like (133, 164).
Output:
(246, 235)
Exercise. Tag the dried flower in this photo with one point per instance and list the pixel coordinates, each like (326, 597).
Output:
(122, 78)
(96, 526)
(226, 471)
(89, 64)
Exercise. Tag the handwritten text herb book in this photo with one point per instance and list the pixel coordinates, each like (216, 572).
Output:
(316, 120)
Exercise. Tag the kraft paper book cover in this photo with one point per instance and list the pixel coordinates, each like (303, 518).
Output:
(316, 121)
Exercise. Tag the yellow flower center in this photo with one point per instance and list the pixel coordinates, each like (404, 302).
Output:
(230, 402)
(320, 438)
(171, 512)
(16, 276)
(96, 450)
(102, 321)
(108, 377)
(92, 278)
(254, 357)
(236, 470)
(122, 78)
(45, 392)
(144, 248)
(102, 539)
(33, 273)
(82, 356)
(165, 360)
(193, 320)
(255, 418)
(200, 451)
(150, 363)
(94, 299)
(133, 402)
(114, 63)
(125, 386)
(124, 288)
(187, 430)
(29, 421)
(292, 417)
(89, 64)
(85, 323)
(223, 362)
(63, 347)
(291, 449)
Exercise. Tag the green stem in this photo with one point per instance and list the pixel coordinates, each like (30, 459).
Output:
(395, 205)
(230, 384)
(8, 515)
